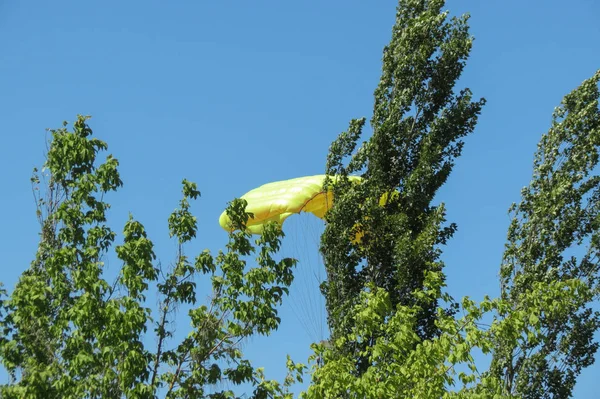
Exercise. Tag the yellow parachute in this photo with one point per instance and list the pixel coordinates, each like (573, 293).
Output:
(278, 200)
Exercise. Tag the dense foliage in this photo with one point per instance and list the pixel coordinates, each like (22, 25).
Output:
(67, 332)
(418, 126)
(410, 342)
(554, 238)
(542, 326)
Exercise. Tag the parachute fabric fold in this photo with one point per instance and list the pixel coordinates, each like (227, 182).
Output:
(276, 201)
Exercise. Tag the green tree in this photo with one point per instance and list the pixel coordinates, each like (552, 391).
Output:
(67, 332)
(418, 125)
(554, 236)
(541, 333)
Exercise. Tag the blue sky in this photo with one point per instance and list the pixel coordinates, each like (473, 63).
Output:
(235, 94)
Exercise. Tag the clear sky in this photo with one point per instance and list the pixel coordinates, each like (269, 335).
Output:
(233, 94)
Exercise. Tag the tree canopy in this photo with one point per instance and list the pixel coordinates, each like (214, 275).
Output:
(541, 333)
(67, 332)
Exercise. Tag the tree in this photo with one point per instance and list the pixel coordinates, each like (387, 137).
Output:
(418, 125)
(67, 332)
(554, 237)
(541, 334)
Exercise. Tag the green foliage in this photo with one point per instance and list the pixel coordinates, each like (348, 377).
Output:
(402, 364)
(554, 236)
(418, 125)
(69, 333)
(391, 337)
(542, 327)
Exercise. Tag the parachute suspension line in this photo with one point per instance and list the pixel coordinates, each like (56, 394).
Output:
(306, 299)
(318, 277)
(314, 276)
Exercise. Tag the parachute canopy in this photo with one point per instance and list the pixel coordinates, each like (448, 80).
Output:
(278, 200)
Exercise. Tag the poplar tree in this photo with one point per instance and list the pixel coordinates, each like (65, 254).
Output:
(418, 126)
